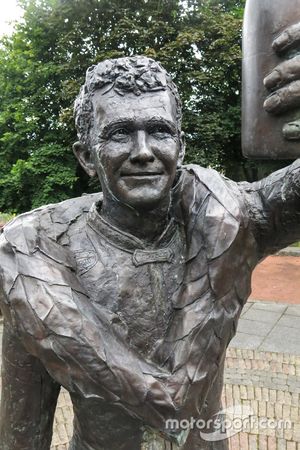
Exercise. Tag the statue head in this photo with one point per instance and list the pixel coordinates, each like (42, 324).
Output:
(128, 120)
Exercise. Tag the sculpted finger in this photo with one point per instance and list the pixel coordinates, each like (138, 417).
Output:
(284, 99)
(288, 39)
(291, 131)
(284, 73)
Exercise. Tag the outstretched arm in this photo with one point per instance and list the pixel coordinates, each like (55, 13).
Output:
(273, 206)
(28, 398)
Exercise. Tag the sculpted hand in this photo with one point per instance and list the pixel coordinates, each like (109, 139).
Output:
(284, 80)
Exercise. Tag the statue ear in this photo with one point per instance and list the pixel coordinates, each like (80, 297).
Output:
(84, 157)
(181, 149)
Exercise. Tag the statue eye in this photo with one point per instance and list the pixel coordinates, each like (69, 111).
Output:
(160, 131)
(121, 131)
(119, 134)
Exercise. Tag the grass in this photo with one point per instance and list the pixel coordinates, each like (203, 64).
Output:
(296, 244)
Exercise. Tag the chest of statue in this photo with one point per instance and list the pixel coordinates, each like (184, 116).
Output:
(132, 281)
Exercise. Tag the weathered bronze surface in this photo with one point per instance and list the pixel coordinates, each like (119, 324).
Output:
(129, 298)
(267, 135)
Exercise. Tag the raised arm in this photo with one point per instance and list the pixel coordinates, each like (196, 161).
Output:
(28, 398)
(273, 208)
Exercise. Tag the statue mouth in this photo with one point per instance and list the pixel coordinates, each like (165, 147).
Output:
(141, 174)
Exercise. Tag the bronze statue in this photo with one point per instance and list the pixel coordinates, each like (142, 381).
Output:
(129, 298)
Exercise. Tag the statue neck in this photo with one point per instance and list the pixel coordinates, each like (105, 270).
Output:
(145, 225)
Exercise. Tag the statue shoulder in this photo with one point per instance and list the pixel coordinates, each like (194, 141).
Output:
(30, 242)
(34, 263)
(213, 209)
(223, 190)
(51, 221)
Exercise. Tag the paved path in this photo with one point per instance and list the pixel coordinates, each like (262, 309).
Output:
(269, 384)
(269, 326)
(277, 278)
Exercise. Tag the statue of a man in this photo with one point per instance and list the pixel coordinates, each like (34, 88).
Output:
(129, 298)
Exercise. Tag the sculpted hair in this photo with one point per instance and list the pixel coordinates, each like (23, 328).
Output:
(137, 74)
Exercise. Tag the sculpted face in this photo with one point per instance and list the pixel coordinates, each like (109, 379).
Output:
(136, 146)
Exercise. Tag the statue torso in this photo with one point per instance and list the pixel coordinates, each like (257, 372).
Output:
(189, 287)
(137, 283)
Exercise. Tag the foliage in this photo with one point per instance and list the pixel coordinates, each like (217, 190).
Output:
(48, 175)
(4, 218)
(44, 62)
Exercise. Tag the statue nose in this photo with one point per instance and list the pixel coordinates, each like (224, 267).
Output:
(141, 151)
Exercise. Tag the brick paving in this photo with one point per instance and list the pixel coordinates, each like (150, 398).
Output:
(62, 422)
(268, 383)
